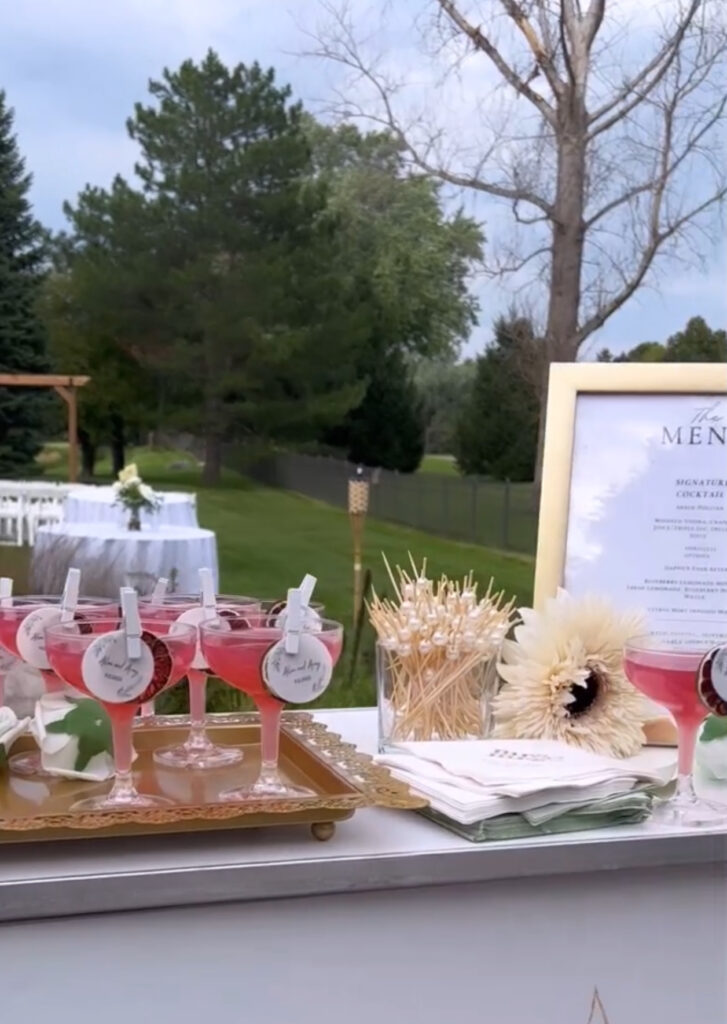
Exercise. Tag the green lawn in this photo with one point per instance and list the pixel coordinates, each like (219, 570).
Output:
(441, 464)
(268, 539)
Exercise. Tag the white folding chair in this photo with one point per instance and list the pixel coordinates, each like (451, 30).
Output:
(11, 519)
(42, 512)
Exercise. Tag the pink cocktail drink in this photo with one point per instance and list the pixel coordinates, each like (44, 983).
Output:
(237, 655)
(669, 676)
(198, 751)
(14, 615)
(172, 653)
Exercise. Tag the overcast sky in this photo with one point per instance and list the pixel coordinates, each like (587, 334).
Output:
(72, 69)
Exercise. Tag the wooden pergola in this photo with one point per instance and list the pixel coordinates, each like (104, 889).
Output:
(66, 387)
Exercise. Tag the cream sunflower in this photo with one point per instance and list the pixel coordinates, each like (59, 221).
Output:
(564, 677)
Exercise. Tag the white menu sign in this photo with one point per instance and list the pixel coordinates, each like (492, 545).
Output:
(648, 509)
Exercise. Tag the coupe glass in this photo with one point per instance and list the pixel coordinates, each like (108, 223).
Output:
(198, 751)
(668, 675)
(236, 655)
(12, 615)
(66, 647)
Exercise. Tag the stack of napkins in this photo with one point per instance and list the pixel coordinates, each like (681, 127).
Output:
(496, 789)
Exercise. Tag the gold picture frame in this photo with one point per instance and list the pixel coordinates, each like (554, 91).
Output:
(567, 382)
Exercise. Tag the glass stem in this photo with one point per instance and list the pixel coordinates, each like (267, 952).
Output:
(197, 739)
(122, 724)
(51, 681)
(687, 739)
(269, 740)
(685, 792)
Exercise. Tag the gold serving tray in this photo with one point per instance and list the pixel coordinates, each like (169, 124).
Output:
(342, 778)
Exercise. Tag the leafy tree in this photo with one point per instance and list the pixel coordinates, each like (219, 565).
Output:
(498, 426)
(22, 339)
(221, 276)
(407, 264)
(120, 399)
(443, 387)
(697, 343)
(387, 428)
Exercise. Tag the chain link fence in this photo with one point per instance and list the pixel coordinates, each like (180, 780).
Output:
(488, 512)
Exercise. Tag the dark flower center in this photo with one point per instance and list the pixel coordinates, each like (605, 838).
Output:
(585, 695)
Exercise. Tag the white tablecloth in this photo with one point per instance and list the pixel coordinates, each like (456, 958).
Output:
(110, 557)
(86, 504)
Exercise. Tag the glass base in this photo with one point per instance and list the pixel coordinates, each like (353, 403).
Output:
(29, 766)
(117, 802)
(269, 785)
(689, 814)
(687, 810)
(198, 757)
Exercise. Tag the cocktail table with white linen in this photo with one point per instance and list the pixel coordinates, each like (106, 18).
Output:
(87, 504)
(110, 556)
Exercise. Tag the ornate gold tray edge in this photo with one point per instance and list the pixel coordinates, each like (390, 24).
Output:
(369, 785)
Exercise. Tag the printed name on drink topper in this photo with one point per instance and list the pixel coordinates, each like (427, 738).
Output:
(110, 674)
(299, 677)
(30, 638)
(712, 681)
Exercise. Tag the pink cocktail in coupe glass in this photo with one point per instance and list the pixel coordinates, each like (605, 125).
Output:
(236, 656)
(198, 751)
(668, 675)
(172, 653)
(13, 612)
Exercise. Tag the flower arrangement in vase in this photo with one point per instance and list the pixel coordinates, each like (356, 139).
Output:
(134, 495)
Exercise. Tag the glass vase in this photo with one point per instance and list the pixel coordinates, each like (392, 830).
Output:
(439, 695)
(134, 522)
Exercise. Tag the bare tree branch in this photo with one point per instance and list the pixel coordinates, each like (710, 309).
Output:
(634, 91)
(482, 42)
(656, 241)
(541, 52)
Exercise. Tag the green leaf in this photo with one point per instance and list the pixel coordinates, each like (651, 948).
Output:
(88, 721)
(715, 728)
(3, 758)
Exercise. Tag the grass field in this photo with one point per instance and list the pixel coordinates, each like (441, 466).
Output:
(443, 465)
(268, 539)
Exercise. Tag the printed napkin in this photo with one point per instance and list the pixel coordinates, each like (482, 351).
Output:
(74, 736)
(476, 780)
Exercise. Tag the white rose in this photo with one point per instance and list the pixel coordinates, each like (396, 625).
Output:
(146, 492)
(129, 474)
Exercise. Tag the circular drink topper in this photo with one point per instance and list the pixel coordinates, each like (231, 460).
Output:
(30, 637)
(109, 673)
(298, 678)
(193, 617)
(712, 680)
(163, 664)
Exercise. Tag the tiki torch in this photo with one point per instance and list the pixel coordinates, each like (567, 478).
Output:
(358, 506)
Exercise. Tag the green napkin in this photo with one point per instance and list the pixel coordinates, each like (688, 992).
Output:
(623, 809)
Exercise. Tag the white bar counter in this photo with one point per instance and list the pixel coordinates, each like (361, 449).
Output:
(394, 919)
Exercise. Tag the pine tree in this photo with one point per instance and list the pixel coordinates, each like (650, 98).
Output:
(498, 427)
(22, 341)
